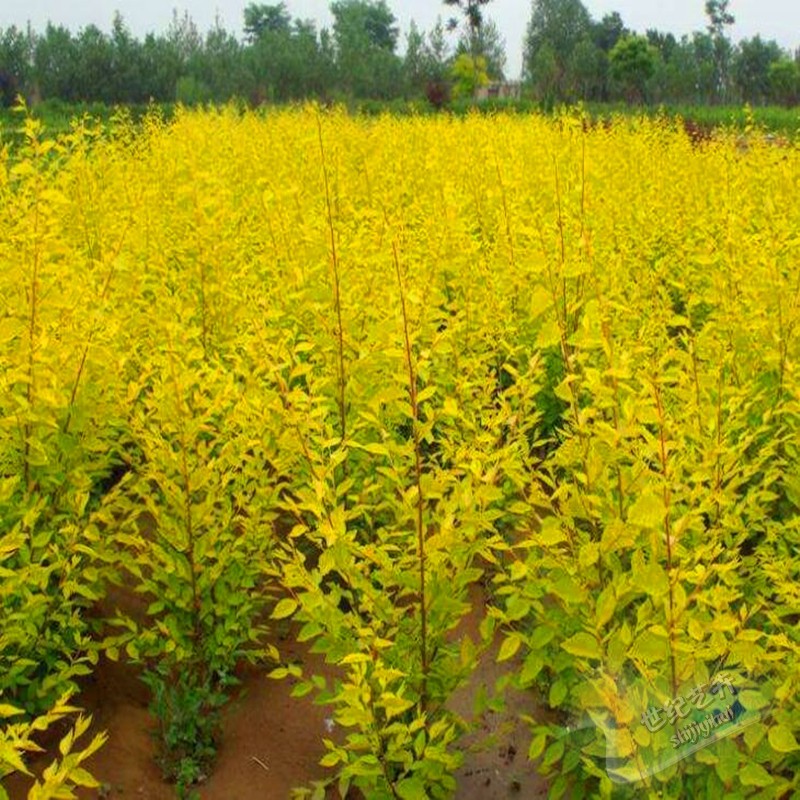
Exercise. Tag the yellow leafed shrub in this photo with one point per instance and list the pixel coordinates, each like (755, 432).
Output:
(355, 367)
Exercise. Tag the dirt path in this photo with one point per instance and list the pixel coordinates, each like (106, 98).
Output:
(272, 742)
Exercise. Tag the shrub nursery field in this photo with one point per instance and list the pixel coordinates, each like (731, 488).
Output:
(308, 376)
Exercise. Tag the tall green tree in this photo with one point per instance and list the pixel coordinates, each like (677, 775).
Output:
(488, 44)
(665, 43)
(544, 75)
(719, 20)
(784, 81)
(260, 18)
(472, 12)
(608, 31)
(435, 61)
(290, 63)
(127, 79)
(184, 37)
(55, 63)
(365, 23)
(365, 36)
(633, 62)
(587, 71)
(221, 67)
(161, 68)
(16, 53)
(751, 65)
(558, 26)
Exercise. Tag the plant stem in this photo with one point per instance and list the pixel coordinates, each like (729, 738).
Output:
(506, 215)
(412, 389)
(197, 633)
(30, 391)
(667, 495)
(92, 331)
(337, 296)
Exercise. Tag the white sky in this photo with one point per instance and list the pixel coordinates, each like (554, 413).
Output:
(773, 19)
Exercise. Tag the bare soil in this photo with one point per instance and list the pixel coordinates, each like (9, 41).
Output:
(272, 742)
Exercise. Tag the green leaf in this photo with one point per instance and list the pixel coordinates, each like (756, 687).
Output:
(648, 510)
(285, 608)
(642, 736)
(617, 536)
(509, 647)
(752, 699)
(302, 689)
(355, 658)
(394, 705)
(588, 555)
(558, 693)
(10, 756)
(553, 753)
(755, 775)
(411, 789)
(583, 645)
(549, 335)
(782, 739)
(278, 674)
(330, 759)
(377, 449)
(551, 532)
(80, 777)
(537, 746)
(649, 647)
(606, 604)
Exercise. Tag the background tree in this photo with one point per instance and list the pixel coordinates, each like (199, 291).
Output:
(469, 74)
(161, 68)
(665, 43)
(633, 62)
(719, 20)
(290, 63)
(93, 66)
(608, 31)
(587, 71)
(127, 64)
(784, 81)
(220, 68)
(566, 58)
(751, 65)
(544, 75)
(365, 36)
(414, 59)
(472, 11)
(489, 44)
(260, 19)
(558, 25)
(55, 63)
(665, 77)
(437, 59)
(16, 54)
(183, 34)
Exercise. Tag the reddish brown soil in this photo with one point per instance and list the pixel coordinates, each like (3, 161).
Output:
(272, 742)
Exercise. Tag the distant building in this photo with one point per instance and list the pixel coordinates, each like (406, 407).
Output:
(502, 90)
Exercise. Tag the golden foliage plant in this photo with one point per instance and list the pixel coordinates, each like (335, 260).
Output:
(340, 371)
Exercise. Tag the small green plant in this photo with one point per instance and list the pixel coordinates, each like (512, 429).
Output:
(193, 541)
(188, 716)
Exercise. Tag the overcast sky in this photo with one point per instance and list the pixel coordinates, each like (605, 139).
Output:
(773, 19)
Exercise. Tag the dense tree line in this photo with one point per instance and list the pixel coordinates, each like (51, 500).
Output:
(279, 58)
(568, 56)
